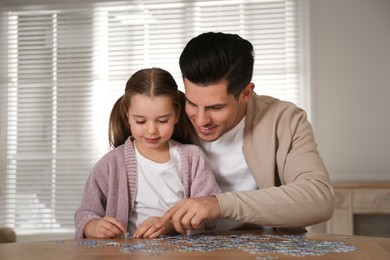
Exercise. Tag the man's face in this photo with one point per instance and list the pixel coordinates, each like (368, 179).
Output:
(212, 111)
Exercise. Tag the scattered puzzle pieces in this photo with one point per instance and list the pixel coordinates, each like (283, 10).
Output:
(294, 245)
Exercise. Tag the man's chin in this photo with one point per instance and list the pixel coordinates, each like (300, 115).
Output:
(208, 138)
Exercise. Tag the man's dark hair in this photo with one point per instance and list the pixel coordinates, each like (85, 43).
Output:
(212, 57)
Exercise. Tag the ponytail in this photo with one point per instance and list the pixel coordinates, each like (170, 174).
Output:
(118, 128)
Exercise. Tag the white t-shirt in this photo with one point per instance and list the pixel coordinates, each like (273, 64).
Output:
(227, 161)
(231, 171)
(159, 187)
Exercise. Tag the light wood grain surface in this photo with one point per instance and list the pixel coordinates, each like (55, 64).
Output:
(372, 248)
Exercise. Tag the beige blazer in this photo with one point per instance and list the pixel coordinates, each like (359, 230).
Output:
(294, 185)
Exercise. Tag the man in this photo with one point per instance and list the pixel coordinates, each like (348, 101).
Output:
(262, 150)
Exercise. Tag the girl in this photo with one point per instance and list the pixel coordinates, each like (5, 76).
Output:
(147, 172)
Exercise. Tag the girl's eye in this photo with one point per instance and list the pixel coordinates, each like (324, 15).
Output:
(140, 122)
(163, 121)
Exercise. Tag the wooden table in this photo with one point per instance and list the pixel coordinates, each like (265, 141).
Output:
(372, 248)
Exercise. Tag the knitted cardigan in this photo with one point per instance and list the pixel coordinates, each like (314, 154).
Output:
(111, 187)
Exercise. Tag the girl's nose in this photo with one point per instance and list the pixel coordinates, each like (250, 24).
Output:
(152, 128)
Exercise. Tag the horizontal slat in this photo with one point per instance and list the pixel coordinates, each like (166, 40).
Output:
(66, 68)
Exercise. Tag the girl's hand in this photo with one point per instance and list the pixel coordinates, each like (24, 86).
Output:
(148, 230)
(106, 227)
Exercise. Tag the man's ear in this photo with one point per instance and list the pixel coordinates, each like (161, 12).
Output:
(247, 92)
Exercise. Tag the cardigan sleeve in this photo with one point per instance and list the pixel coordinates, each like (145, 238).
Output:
(198, 177)
(201, 182)
(106, 192)
(93, 202)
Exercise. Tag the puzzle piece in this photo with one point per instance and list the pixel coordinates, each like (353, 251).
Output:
(294, 245)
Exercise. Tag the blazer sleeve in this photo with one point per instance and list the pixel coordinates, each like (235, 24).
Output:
(294, 186)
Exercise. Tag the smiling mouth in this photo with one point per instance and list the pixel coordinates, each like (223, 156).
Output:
(151, 140)
(206, 130)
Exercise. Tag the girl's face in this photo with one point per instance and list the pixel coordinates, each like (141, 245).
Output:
(152, 120)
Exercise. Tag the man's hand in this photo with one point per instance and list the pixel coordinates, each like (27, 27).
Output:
(148, 228)
(190, 213)
(106, 227)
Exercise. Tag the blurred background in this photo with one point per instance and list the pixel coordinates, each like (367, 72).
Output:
(63, 65)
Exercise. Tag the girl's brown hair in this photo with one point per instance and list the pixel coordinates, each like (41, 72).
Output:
(151, 82)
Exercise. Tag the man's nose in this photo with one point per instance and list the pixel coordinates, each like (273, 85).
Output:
(202, 117)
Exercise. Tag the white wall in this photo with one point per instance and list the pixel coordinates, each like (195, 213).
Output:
(350, 59)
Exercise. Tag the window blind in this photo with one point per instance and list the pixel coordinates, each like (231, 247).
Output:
(65, 64)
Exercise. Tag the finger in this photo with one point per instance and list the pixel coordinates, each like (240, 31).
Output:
(142, 229)
(197, 221)
(119, 225)
(109, 229)
(186, 219)
(192, 220)
(177, 221)
(197, 224)
(139, 232)
(157, 233)
(103, 232)
(150, 231)
(99, 230)
(168, 215)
